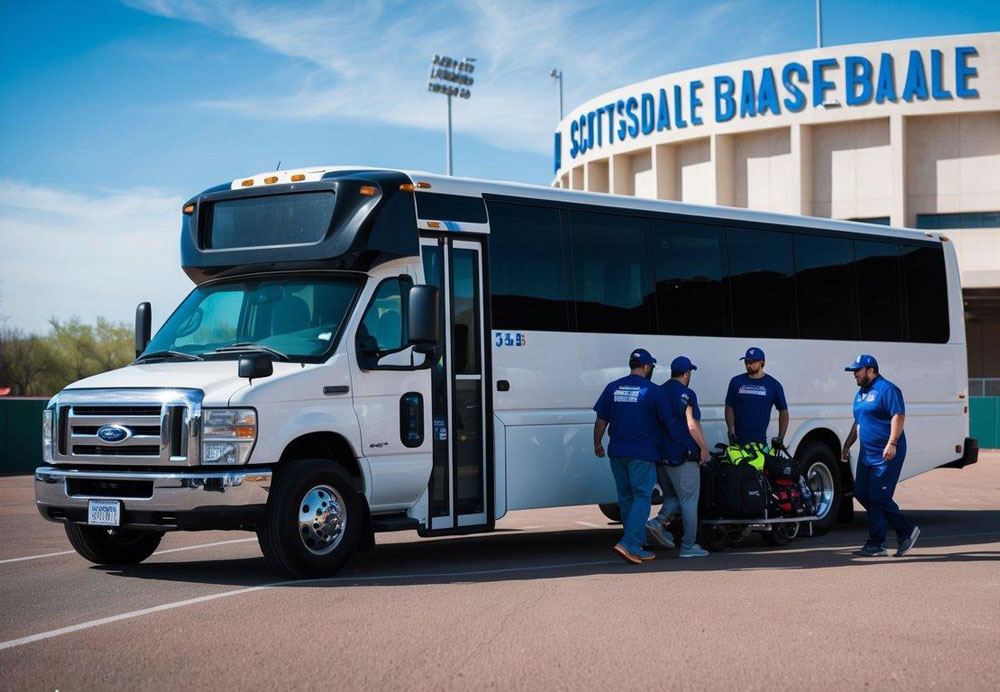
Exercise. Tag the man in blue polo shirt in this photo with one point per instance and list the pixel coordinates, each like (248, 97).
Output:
(634, 411)
(684, 450)
(879, 414)
(749, 401)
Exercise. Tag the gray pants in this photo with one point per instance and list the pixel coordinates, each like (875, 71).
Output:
(681, 485)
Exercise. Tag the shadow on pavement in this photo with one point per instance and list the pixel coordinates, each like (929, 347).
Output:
(515, 556)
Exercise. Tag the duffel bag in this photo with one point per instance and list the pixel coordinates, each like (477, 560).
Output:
(781, 466)
(712, 487)
(744, 494)
(786, 498)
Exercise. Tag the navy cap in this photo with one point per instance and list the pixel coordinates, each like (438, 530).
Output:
(643, 356)
(862, 361)
(682, 364)
(753, 353)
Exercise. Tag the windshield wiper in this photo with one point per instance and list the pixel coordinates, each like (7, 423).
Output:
(251, 346)
(168, 354)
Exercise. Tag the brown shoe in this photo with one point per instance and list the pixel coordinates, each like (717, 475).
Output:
(626, 555)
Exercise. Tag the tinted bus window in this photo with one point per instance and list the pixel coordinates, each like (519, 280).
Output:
(527, 271)
(879, 293)
(689, 259)
(760, 273)
(926, 293)
(450, 207)
(612, 273)
(823, 290)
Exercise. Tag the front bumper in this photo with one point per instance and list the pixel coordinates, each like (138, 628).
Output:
(157, 500)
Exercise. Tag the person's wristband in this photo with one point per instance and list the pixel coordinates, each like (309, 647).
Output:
(892, 443)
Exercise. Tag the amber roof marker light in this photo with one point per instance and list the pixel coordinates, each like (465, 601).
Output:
(188, 209)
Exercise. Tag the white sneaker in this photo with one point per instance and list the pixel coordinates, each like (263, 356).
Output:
(694, 551)
(658, 533)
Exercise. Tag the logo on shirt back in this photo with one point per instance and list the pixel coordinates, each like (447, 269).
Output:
(627, 395)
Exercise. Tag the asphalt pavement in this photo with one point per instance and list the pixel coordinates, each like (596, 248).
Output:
(540, 603)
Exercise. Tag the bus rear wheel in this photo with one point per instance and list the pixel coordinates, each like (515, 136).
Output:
(820, 469)
(313, 521)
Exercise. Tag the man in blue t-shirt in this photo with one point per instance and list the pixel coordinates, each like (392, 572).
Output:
(879, 414)
(634, 411)
(749, 401)
(684, 450)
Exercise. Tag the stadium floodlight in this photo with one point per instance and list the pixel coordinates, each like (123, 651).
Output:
(451, 77)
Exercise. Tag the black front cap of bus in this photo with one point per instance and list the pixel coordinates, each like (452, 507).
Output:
(365, 230)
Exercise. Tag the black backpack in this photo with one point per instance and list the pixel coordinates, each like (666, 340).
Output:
(782, 466)
(743, 492)
(713, 485)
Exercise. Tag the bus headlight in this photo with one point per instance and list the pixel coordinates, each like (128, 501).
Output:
(228, 435)
(47, 435)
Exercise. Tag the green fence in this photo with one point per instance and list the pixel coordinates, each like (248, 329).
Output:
(20, 434)
(984, 420)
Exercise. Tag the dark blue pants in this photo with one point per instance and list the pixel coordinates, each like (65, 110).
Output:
(874, 487)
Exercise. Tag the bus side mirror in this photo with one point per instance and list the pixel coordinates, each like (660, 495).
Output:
(255, 365)
(143, 327)
(423, 315)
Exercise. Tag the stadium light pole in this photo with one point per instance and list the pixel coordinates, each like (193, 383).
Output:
(450, 77)
(556, 75)
(819, 23)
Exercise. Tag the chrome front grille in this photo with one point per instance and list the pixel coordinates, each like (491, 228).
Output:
(158, 426)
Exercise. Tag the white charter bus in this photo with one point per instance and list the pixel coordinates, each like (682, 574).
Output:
(369, 350)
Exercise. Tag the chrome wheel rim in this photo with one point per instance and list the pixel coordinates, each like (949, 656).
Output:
(820, 482)
(322, 520)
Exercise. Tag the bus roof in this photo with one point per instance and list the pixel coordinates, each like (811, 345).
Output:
(476, 187)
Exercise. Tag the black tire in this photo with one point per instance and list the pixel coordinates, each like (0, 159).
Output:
(820, 468)
(782, 534)
(123, 547)
(713, 537)
(611, 511)
(284, 547)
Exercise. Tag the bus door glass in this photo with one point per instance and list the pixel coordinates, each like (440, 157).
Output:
(458, 484)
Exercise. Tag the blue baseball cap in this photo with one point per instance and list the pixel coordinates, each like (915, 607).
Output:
(643, 356)
(862, 361)
(682, 364)
(753, 353)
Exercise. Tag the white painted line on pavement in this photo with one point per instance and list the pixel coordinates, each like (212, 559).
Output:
(262, 587)
(158, 552)
(35, 557)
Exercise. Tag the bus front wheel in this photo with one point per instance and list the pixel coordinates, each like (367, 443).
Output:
(313, 521)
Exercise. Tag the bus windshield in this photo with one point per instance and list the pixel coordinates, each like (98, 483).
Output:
(295, 318)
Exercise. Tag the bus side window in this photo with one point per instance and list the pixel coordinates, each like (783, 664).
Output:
(760, 280)
(827, 308)
(880, 295)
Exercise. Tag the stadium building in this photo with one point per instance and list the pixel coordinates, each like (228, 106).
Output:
(905, 133)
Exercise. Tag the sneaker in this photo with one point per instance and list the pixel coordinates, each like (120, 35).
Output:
(694, 551)
(627, 555)
(869, 550)
(645, 555)
(656, 532)
(904, 546)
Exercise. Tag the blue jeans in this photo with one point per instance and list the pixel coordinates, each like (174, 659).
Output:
(874, 487)
(634, 479)
(680, 494)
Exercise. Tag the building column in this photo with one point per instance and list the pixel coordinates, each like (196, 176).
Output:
(620, 175)
(722, 162)
(665, 171)
(802, 169)
(897, 152)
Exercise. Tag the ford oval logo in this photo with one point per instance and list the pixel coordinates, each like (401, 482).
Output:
(114, 433)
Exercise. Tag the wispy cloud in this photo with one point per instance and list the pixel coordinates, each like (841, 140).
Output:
(87, 253)
(370, 60)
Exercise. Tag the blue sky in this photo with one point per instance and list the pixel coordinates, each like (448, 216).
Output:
(111, 113)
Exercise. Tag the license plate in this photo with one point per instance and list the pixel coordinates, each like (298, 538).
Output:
(104, 513)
